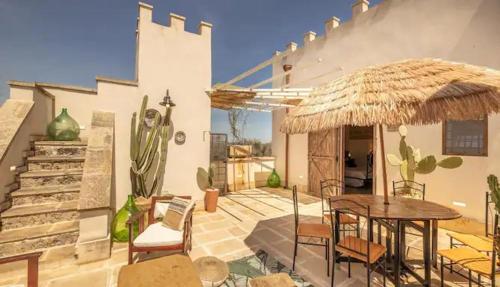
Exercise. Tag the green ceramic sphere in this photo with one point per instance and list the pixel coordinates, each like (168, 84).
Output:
(63, 128)
(119, 228)
(274, 179)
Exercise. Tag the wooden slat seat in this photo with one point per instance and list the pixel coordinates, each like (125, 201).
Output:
(463, 255)
(344, 219)
(482, 267)
(477, 242)
(316, 230)
(357, 248)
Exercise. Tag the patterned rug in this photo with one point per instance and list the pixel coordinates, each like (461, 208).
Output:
(260, 264)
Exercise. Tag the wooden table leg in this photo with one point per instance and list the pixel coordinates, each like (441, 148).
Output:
(33, 272)
(434, 242)
(427, 252)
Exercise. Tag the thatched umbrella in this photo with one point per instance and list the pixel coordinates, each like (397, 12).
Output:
(417, 91)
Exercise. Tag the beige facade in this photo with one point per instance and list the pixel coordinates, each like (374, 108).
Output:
(455, 30)
(167, 58)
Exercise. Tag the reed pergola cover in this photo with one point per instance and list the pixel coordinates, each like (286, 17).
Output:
(416, 91)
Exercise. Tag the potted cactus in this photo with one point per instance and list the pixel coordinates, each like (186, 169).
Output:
(205, 180)
(411, 162)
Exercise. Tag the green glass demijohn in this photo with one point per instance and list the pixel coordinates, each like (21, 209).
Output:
(274, 179)
(119, 228)
(63, 128)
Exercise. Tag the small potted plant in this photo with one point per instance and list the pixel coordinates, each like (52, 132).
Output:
(205, 181)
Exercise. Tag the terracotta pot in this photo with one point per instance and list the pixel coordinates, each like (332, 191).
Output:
(211, 197)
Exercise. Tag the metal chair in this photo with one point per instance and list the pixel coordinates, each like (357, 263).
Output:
(408, 188)
(310, 231)
(334, 187)
(474, 241)
(353, 246)
(473, 261)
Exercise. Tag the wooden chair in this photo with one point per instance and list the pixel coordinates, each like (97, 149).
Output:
(156, 236)
(333, 187)
(32, 259)
(473, 261)
(474, 241)
(310, 231)
(353, 246)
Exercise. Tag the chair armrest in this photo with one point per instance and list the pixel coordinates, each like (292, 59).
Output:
(135, 217)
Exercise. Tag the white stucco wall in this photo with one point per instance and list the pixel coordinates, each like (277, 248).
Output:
(167, 58)
(455, 30)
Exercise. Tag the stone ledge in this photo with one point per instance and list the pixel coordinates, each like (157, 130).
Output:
(38, 231)
(93, 250)
(116, 81)
(14, 83)
(34, 209)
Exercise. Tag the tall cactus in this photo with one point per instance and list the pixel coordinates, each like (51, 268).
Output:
(411, 161)
(147, 162)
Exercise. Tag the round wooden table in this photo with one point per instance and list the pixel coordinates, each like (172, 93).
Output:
(402, 211)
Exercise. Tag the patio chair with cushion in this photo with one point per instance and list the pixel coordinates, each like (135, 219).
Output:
(333, 187)
(473, 261)
(158, 236)
(351, 246)
(481, 243)
(310, 231)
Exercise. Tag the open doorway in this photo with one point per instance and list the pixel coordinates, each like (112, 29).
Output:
(358, 160)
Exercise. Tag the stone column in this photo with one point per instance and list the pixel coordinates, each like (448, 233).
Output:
(94, 241)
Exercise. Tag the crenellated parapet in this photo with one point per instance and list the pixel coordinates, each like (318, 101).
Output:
(331, 25)
(176, 22)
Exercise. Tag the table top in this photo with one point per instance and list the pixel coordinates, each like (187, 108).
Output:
(400, 208)
(173, 270)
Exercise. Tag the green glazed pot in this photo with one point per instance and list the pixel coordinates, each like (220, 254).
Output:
(274, 179)
(63, 128)
(119, 228)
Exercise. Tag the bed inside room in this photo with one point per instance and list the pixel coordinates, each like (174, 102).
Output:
(358, 160)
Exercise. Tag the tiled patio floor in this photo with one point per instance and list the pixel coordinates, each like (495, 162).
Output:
(244, 223)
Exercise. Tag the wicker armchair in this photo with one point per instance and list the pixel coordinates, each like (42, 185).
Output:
(155, 236)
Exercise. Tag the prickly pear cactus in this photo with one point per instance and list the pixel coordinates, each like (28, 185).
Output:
(411, 162)
(148, 150)
(495, 197)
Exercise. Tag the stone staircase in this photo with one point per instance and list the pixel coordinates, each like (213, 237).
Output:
(44, 210)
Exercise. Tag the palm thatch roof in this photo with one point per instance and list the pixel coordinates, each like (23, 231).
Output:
(416, 91)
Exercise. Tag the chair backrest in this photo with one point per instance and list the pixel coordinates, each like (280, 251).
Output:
(328, 188)
(156, 199)
(339, 206)
(494, 267)
(408, 188)
(295, 208)
(489, 220)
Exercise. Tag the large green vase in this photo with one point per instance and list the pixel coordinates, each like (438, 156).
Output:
(274, 179)
(119, 228)
(63, 128)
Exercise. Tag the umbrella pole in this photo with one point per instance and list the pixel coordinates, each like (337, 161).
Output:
(384, 169)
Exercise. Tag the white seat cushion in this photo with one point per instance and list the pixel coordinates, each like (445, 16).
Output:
(158, 235)
(161, 209)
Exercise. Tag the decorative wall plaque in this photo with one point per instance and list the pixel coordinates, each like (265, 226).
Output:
(180, 137)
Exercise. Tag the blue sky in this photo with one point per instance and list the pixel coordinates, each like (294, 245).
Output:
(72, 41)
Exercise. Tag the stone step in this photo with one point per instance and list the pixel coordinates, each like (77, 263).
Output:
(28, 239)
(39, 178)
(37, 214)
(55, 162)
(60, 148)
(27, 196)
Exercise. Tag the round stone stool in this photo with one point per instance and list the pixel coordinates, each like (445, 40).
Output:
(212, 271)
